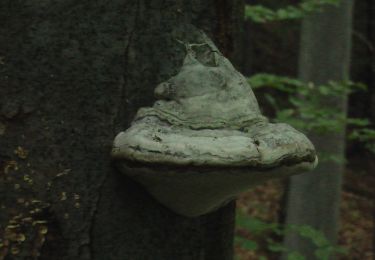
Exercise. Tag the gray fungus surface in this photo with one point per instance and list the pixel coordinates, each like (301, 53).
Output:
(207, 117)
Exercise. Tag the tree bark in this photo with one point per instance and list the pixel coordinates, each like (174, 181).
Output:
(371, 36)
(72, 75)
(313, 198)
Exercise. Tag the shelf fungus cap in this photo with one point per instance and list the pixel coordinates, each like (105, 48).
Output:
(204, 140)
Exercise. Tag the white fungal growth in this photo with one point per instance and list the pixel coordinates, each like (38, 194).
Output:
(205, 140)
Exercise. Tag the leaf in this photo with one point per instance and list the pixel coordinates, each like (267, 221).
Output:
(322, 253)
(276, 247)
(246, 243)
(254, 225)
(21, 152)
(358, 121)
(316, 236)
(43, 230)
(21, 237)
(272, 101)
(15, 250)
(262, 14)
(295, 256)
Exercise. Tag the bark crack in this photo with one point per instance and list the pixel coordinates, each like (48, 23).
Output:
(94, 212)
(122, 88)
(116, 122)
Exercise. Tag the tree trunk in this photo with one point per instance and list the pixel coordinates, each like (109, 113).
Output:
(72, 75)
(371, 36)
(313, 198)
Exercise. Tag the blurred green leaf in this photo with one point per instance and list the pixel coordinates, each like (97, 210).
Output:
(262, 14)
(276, 247)
(254, 225)
(295, 256)
(304, 110)
(246, 243)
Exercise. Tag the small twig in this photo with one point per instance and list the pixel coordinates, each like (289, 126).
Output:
(364, 40)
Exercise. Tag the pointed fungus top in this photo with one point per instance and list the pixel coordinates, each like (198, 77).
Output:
(207, 117)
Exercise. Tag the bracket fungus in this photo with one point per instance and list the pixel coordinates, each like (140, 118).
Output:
(204, 140)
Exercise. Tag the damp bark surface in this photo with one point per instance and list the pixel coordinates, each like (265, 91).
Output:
(72, 75)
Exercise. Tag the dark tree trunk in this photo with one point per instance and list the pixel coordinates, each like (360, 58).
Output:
(72, 75)
(371, 36)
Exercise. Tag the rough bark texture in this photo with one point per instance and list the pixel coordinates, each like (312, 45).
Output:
(314, 197)
(371, 34)
(72, 75)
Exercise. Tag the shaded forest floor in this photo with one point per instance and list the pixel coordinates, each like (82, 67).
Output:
(357, 229)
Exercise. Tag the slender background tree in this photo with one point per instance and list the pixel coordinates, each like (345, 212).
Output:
(313, 198)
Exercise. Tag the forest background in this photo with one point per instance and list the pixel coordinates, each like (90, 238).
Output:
(73, 74)
(273, 32)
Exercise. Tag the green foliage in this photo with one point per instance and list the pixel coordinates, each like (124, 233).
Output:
(304, 107)
(262, 14)
(324, 249)
(366, 136)
(254, 225)
(246, 243)
(295, 256)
